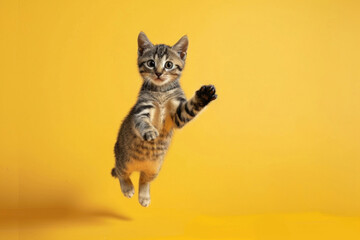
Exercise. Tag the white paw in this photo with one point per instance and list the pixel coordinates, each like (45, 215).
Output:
(128, 192)
(144, 201)
(150, 135)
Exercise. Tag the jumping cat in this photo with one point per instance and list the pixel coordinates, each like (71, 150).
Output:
(146, 132)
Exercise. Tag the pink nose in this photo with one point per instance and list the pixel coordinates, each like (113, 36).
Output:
(158, 74)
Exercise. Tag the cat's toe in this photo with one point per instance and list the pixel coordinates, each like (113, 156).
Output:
(144, 201)
(150, 135)
(206, 94)
(129, 192)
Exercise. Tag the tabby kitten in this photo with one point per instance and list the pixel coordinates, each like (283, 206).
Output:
(145, 133)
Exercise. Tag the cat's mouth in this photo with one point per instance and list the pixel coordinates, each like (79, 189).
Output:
(159, 79)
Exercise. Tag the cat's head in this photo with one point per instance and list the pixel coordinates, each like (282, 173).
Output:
(161, 64)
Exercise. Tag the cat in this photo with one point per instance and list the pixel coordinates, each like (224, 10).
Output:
(146, 132)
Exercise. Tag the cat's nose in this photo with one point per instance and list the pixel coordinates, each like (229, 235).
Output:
(158, 74)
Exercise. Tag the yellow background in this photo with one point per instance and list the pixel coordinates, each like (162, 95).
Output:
(276, 156)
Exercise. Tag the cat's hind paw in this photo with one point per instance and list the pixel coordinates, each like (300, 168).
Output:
(127, 188)
(129, 193)
(144, 201)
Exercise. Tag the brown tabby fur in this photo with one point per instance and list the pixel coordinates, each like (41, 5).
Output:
(146, 132)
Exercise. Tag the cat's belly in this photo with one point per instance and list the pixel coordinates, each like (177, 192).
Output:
(147, 166)
(148, 156)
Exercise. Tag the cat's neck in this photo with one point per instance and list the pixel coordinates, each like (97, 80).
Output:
(148, 86)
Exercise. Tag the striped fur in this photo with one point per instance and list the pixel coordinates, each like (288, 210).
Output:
(145, 134)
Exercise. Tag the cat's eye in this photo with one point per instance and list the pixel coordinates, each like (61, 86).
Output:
(150, 63)
(169, 65)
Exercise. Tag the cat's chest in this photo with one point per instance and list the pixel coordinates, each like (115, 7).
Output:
(161, 119)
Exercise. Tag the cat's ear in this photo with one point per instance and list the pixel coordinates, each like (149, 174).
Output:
(143, 43)
(181, 47)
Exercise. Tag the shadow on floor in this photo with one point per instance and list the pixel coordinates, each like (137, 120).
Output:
(30, 217)
(53, 207)
(41, 200)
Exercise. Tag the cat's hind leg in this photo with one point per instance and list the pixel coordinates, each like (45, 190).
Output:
(127, 187)
(144, 188)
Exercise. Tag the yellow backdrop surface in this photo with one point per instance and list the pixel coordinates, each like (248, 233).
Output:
(276, 156)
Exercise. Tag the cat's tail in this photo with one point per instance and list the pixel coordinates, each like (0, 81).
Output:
(113, 173)
(116, 152)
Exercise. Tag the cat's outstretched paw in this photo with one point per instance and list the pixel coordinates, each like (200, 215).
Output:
(144, 201)
(206, 94)
(150, 135)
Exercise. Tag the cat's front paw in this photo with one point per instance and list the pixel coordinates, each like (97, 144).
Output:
(206, 94)
(150, 135)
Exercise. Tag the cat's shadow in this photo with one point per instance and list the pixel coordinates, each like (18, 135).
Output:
(41, 201)
(53, 207)
(57, 214)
